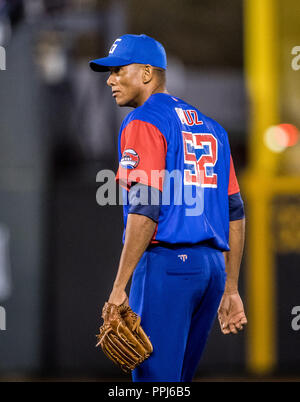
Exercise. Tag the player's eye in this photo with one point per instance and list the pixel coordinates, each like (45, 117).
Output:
(116, 70)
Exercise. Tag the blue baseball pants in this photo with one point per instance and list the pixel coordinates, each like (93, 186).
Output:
(176, 291)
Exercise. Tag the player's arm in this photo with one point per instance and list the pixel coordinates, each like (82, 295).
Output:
(233, 257)
(150, 149)
(139, 232)
(143, 215)
(231, 313)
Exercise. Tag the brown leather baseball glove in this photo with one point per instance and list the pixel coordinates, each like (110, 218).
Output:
(122, 338)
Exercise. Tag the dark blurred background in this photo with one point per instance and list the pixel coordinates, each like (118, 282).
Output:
(59, 125)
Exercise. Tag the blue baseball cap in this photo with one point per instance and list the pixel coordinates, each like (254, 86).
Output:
(129, 49)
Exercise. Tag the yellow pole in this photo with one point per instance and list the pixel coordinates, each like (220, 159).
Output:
(261, 63)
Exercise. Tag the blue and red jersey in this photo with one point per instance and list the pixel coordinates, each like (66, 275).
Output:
(168, 135)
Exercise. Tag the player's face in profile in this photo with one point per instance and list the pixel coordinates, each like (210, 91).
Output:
(126, 84)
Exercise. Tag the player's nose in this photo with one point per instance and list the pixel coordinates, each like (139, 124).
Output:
(110, 80)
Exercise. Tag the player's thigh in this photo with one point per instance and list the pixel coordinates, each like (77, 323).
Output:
(163, 293)
(204, 317)
(162, 300)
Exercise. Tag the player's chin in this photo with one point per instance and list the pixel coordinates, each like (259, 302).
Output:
(120, 101)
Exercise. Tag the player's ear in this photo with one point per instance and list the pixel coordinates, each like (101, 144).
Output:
(147, 73)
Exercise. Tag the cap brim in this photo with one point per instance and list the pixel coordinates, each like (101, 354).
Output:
(103, 64)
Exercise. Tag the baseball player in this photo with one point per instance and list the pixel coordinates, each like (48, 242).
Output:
(174, 249)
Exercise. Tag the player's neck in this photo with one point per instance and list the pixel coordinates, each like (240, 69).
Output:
(146, 95)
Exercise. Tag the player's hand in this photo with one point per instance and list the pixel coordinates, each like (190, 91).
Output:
(118, 297)
(231, 313)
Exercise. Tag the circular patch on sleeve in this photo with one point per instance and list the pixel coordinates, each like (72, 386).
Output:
(130, 159)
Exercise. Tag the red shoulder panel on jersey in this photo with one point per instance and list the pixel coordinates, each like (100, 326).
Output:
(233, 186)
(144, 150)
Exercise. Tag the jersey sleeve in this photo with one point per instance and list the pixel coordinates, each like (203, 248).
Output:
(233, 186)
(143, 150)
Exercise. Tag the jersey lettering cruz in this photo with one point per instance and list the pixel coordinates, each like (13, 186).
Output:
(167, 135)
